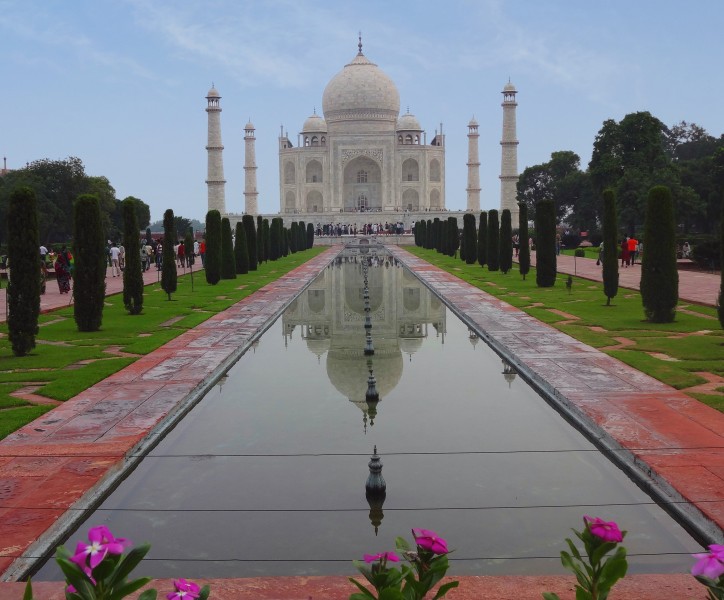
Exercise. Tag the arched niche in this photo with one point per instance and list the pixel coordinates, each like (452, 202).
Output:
(411, 200)
(290, 173)
(314, 171)
(314, 201)
(362, 179)
(410, 170)
(434, 170)
(289, 202)
(435, 199)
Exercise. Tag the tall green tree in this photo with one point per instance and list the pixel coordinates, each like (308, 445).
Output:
(260, 246)
(302, 233)
(228, 263)
(545, 244)
(293, 237)
(275, 239)
(241, 250)
(483, 239)
(469, 249)
(169, 277)
(132, 274)
(267, 239)
(310, 235)
(718, 162)
(493, 241)
(89, 273)
(524, 240)
(23, 294)
(252, 248)
(659, 274)
(610, 246)
(506, 241)
(213, 246)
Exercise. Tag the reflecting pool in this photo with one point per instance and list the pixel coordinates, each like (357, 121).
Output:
(267, 474)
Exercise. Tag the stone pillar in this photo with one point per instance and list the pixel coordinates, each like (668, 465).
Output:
(215, 172)
(509, 164)
(473, 188)
(250, 193)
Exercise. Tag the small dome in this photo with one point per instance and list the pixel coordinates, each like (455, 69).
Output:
(361, 90)
(509, 87)
(408, 122)
(249, 125)
(213, 93)
(315, 124)
(473, 123)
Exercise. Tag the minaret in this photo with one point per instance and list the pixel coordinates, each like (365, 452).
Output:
(473, 168)
(215, 172)
(250, 193)
(509, 164)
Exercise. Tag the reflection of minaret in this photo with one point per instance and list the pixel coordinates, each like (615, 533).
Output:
(509, 372)
(250, 193)
(509, 162)
(215, 173)
(473, 167)
(375, 491)
(372, 397)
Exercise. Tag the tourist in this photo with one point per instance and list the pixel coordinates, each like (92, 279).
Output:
(632, 244)
(181, 254)
(143, 257)
(121, 257)
(625, 256)
(599, 260)
(202, 252)
(516, 244)
(687, 251)
(43, 253)
(115, 253)
(63, 270)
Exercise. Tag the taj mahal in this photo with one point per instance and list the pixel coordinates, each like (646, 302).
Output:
(361, 161)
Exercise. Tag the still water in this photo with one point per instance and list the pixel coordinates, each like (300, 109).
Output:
(266, 475)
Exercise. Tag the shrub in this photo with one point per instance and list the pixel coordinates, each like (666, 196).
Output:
(310, 235)
(493, 241)
(228, 264)
(241, 251)
(213, 247)
(659, 275)
(275, 241)
(169, 277)
(545, 228)
(267, 239)
(89, 272)
(523, 236)
(506, 242)
(132, 273)
(483, 239)
(260, 247)
(23, 293)
(610, 246)
(469, 250)
(707, 255)
(250, 230)
(580, 253)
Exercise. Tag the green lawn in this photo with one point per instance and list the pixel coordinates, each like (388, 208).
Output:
(673, 353)
(66, 361)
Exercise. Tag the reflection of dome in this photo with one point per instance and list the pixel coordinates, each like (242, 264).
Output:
(408, 122)
(348, 372)
(318, 347)
(361, 90)
(410, 345)
(315, 124)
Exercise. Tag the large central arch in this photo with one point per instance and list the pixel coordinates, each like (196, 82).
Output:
(362, 185)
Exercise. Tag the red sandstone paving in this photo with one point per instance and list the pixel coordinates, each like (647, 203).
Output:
(49, 463)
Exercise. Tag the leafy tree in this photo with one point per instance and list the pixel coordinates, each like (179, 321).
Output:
(275, 242)
(430, 235)
(545, 244)
(260, 246)
(610, 246)
(149, 237)
(469, 249)
(302, 233)
(241, 250)
(523, 236)
(213, 246)
(437, 234)
(506, 241)
(23, 293)
(89, 273)
(228, 262)
(493, 241)
(719, 182)
(248, 222)
(293, 237)
(267, 239)
(453, 236)
(285, 240)
(659, 275)
(132, 274)
(169, 277)
(310, 235)
(483, 239)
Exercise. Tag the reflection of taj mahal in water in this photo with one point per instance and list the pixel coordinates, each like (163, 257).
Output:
(330, 317)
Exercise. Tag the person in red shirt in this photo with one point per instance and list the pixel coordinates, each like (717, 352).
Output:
(633, 244)
(202, 252)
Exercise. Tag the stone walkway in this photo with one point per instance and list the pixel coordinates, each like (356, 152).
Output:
(52, 464)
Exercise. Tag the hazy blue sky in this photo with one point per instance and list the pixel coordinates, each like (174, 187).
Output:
(122, 83)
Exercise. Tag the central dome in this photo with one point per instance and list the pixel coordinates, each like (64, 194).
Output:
(361, 91)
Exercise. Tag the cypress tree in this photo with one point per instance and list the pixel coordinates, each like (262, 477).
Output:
(293, 237)
(169, 277)
(493, 241)
(260, 255)
(89, 272)
(274, 240)
(545, 243)
(149, 238)
(248, 222)
(302, 233)
(524, 249)
(483, 239)
(610, 246)
(429, 235)
(720, 302)
(267, 239)
(285, 240)
(213, 247)
(506, 241)
(132, 274)
(469, 250)
(310, 235)
(437, 234)
(454, 233)
(241, 250)
(23, 293)
(228, 263)
(659, 275)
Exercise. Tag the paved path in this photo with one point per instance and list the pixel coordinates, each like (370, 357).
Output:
(694, 286)
(52, 464)
(53, 299)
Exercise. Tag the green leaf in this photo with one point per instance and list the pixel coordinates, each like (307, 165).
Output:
(445, 588)
(391, 594)
(128, 588)
(574, 550)
(358, 596)
(402, 544)
(204, 593)
(550, 596)
(129, 562)
(28, 595)
(582, 594)
(601, 551)
(151, 595)
(365, 595)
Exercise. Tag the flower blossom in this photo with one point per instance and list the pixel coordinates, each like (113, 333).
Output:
(386, 556)
(102, 543)
(710, 564)
(608, 531)
(429, 540)
(185, 590)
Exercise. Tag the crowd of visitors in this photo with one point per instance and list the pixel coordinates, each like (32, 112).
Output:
(337, 229)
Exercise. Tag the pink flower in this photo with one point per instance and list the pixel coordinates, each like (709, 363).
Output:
(608, 531)
(386, 556)
(185, 590)
(429, 540)
(102, 543)
(710, 565)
